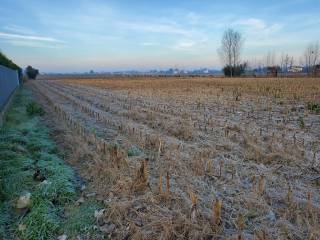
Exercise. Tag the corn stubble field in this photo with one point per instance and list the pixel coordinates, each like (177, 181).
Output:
(197, 158)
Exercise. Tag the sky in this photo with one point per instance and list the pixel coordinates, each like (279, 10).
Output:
(82, 35)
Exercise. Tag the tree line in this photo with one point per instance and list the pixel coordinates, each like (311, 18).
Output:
(230, 54)
(30, 72)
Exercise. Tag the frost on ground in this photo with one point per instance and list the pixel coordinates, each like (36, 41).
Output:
(179, 158)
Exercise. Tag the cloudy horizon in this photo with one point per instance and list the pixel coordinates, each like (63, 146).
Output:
(77, 36)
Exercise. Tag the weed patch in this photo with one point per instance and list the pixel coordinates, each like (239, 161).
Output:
(34, 108)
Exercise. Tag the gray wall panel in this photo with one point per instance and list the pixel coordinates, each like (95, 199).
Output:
(9, 81)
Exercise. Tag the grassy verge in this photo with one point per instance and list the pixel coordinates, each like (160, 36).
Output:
(30, 166)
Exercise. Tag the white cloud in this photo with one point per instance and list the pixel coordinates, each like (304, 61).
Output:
(155, 27)
(28, 40)
(188, 44)
(259, 27)
(252, 23)
(33, 44)
(11, 36)
(185, 45)
(19, 29)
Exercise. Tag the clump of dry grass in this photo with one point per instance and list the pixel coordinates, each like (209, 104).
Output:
(183, 130)
(202, 163)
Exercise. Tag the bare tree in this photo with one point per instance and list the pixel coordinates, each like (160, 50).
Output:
(286, 62)
(312, 56)
(270, 59)
(230, 50)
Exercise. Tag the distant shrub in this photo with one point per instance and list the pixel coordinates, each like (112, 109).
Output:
(32, 72)
(238, 70)
(34, 108)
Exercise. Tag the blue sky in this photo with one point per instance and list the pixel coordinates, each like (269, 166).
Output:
(79, 35)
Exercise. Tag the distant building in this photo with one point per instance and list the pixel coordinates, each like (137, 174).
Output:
(295, 69)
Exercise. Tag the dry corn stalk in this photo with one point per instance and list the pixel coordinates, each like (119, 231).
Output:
(233, 171)
(221, 166)
(226, 131)
(254, 183)
(216, 212)
(240, 222)
(141, 180)
(209, 166)
(115, 155)
(160, 183)
(160, 147)
(289, 194)
(261, 185)
(168, 184)
(194, 201)
(309, 202)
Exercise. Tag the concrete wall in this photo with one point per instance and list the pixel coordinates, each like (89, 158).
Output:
(9, 81)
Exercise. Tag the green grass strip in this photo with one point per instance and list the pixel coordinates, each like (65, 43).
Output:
(25, 147)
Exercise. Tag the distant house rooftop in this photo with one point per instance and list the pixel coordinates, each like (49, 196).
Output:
(295, 69)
